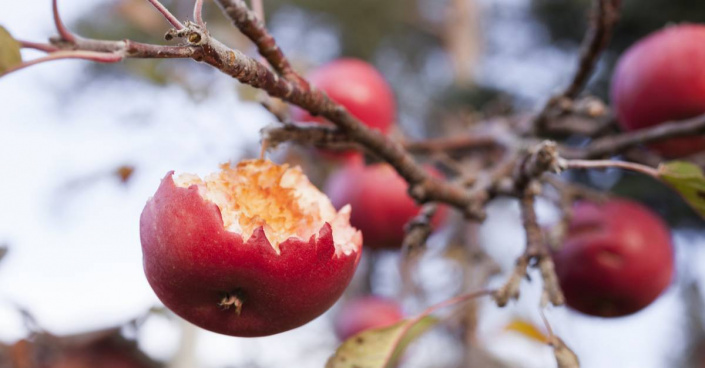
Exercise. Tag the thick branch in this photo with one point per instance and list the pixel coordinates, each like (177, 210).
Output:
(201, 47)
(253, 27)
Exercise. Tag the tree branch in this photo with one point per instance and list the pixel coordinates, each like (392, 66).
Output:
(309, 134)
(253, 27)
(606, 164)
(536, 248)
(605, 16)
(167, 14)
(200, 46)
(457, 143)
(418, 229)
(64, 32)
(198, 13)
(611, 145)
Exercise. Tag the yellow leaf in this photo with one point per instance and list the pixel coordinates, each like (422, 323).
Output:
(9, 51)
(528, 330)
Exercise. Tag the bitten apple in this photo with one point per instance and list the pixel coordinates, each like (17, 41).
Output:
(359, 87)
(252, 250)
(380, 199)
(659, 79)
(365, 313)
(616, 260)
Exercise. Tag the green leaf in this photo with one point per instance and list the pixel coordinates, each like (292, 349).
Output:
(381, 347)
(688, 180)
(9, 51)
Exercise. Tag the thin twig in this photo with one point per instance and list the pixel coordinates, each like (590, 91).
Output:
(38, 46)
(99, 57)
(64, 32)
(307, 135)
(198, 13)
(167, 14)
(418, 229)
(615, 144)
(536, 248)
(606, 164)
(455, 143)
(568, 193)
(510, 289)
(565, 357)
(605, 16)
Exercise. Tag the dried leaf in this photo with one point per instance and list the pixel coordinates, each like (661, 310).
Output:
(124, 172)
(565, 357)
(9, 51)
(688, 180)
(379, 348)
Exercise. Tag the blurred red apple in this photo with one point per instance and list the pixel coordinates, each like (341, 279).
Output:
(617, 258)
(360, 88)
(98, 358)
(364, 313)
(661, 78)
(380, 201)
(252, 250)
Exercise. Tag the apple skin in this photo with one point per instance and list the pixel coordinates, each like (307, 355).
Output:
(659, 79)
(192, 262)
(617, 258)
(359, 87)
(380, 202)
(99, 358)
(365, 313)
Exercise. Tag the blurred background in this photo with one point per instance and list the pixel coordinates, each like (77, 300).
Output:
(82, 147)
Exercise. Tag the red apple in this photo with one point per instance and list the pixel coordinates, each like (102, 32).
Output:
(380, 199)
(661, 78)
(98, 358)
(252, 250)
(364, 313)
(360, 88)
(617, 258)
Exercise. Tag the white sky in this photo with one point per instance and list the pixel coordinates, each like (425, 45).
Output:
(75, 260)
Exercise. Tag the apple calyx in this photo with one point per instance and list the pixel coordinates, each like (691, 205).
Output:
(233, 300)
